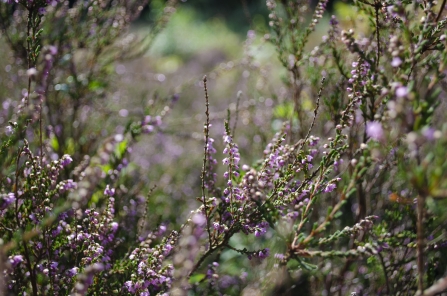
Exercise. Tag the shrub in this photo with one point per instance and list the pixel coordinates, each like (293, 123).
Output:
(347, 197)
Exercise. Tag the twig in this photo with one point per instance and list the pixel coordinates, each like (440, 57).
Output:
(420, 241)
(438, 287)
(301, 143)
(441, 10)
(205, 155)
(377, 6)
(382, 262)
(143, 221)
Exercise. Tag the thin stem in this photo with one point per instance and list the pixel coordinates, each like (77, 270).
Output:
(16, 187)
(441, 10)
(40, 130)
(377, 6)
(143, 221)
(317, 106)
(208, 253)
(205, 155)
(420, 241)
(30, 268)
(28, 52)
(382, 262)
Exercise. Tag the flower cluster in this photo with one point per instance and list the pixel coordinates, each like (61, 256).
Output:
(348, 195)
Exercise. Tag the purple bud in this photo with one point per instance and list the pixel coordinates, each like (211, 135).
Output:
(109, 191)
(66, 160)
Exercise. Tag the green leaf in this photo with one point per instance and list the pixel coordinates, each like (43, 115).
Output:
(54, 144)
(196, 278)
(284, 110)
(121, 149)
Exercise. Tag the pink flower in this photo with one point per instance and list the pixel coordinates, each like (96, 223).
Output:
(374, 130)
(401, 91)
(396, 62)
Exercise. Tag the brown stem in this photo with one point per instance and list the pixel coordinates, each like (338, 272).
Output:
(31, 269)
(441, 10)
(199, 263)
(377, 6)
(420, 241)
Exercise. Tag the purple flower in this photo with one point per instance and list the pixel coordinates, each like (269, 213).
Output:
(279, 256)
(72, 272)
(114, 226)
(374, 130)
(199, 219)
(167, 249)
(251, 34)
(69, 184)
(16, 260)
(401, 91)
(396, 62)
(330, 187)
(66, 160)
(9, 130)
(130, 286)
(313, 141)
(109, 191)
(264, 253)
(333, 21)
(146, 120)
(7, 200)
(429, 133)
(147, 129)
(261, 228)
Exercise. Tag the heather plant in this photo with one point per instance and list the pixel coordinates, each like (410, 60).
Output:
(347, 197)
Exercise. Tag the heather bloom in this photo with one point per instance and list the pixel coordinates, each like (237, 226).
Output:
(330, 187)
(9, 130)
(16, 260)
(109, 191)
(279, 256)
(261, 229)
(66, 160)
(313, 141)
(333, 21)
(6, 200)
(147, 129)
(374, 130)
(402, 91)
(72, 272)
(262, 254)
(396, 62)
(429, 133)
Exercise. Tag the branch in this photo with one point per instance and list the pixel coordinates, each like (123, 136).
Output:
(438, 287)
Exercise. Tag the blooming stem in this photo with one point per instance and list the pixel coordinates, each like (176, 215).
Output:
(205, 155)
